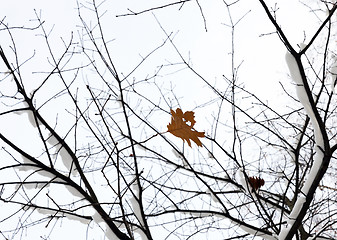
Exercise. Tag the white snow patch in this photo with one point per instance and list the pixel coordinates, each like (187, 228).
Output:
(316, 238)
(73, 191)
(23, 167)
(97, 218)
(318, 159)
(52, 140)
(293, 68)
(141, 233)
(327, 12)
(119, 100)
(304, 99)
(283, 233)
(257, 233)
(240, 178)
(302, 96)
(210, 155)
(333, 73)
(302, 46)
(136, 209)
(141, 147)
(25, 105)
(31, 119)
(45, 174)
(110, 234)
(134, 201)
(176, 153)
(67, 161)
(76, 218)
(296, 76)
(180, 156)
(33, 185)
(65, 157)
(25, 160)
(20, 112)
(30, 114)
(297, 207)
(45, 211)
(16, 186)
(212, 195)
(200, 214)
(184, 162)
(26, 208)
(135, 187)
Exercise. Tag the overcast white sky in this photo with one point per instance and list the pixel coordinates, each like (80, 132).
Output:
(138, 35)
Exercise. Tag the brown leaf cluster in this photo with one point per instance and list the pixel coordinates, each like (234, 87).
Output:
(182, 125)
(256, 182)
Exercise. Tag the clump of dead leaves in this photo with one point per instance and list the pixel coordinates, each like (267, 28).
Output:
(256, 182)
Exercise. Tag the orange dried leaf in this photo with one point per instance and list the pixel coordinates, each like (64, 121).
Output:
(180, 128)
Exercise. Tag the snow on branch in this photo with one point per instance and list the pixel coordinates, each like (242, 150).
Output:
(303, 96)
(257, 233)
